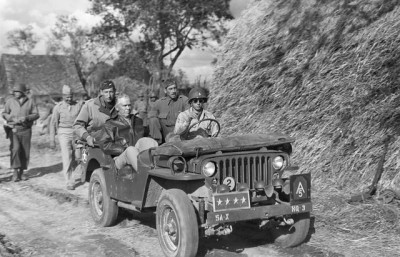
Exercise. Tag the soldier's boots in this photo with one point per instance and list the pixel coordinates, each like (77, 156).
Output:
(21, 175)
(15, 176)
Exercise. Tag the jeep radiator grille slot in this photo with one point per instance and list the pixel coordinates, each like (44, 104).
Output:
(245, 169)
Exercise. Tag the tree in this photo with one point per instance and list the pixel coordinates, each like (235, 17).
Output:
(130, 63)
(69, 38)
(23, 39)
(162, 28)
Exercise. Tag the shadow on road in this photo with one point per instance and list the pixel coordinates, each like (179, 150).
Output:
(41, 171)
(32, 173)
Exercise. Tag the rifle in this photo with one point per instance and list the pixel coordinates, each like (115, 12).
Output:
(8, 129)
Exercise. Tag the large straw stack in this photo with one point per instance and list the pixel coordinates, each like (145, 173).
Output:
(327, 73)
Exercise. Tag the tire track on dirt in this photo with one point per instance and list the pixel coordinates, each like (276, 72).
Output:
(43, 227)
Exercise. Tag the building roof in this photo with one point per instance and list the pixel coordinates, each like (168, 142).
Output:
(43, 74)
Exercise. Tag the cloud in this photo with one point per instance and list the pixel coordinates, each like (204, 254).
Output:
(237, 6)
(196, 64)
(39, 14)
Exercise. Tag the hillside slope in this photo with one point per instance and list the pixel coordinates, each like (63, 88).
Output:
(325, 72)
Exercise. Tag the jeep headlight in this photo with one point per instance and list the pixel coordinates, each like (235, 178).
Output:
(209, 169)
(278, 162)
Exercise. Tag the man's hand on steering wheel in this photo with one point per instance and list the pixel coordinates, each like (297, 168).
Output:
(185, 134)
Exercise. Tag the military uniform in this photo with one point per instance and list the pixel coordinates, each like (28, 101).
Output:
(20, 115)
(185, 120)
(92, 117)
(166, 111)
(62, 120)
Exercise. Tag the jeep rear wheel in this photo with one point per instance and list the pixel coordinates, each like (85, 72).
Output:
(104, 210)
(177, 226)
(293, 235)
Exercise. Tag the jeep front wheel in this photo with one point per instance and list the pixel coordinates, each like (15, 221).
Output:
(104, 210)
(293, 235)
(177, 226)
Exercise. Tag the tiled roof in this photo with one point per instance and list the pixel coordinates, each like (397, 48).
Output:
(43, 74)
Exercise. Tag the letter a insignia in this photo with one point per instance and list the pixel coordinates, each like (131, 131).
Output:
(300, 190)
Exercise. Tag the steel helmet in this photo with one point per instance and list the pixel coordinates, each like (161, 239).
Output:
(197, 92)
(20, 87)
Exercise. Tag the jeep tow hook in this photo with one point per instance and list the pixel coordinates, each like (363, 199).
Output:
(219, 231)
(285, 222)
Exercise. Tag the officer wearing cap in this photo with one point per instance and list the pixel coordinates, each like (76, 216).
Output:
(196, 113)
(166, 110)
(95, 112)
(20, 112)
(63, 117)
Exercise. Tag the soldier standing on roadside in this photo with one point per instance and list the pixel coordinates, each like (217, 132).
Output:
(166, 110)
(63, 117)
(20, 112)
(94, 113)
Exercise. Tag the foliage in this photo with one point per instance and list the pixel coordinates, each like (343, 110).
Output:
(23, 39)
(161, 28)
(130, 63)
(68, 37)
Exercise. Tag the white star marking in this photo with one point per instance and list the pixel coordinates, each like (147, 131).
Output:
(227, 201)
(243, 200)
(219, 201)
(235, 200)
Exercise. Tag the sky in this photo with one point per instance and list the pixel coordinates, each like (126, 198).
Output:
(41, 15)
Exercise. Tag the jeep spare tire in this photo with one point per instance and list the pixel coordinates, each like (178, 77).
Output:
(104, 210)
(177, 226)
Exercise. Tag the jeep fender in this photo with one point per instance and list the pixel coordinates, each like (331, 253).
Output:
(156, 185)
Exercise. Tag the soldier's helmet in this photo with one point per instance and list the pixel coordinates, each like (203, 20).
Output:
(20, 87)
(197, 93)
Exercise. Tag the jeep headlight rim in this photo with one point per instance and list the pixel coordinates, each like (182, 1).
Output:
(209, 169)
(278, 162)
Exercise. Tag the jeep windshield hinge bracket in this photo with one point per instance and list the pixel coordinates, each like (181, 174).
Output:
(198, 149)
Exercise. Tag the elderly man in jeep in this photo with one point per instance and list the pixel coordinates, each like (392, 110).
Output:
(196, 122)
(122, 135)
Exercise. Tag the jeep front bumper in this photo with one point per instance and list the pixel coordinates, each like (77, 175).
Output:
(259, 212)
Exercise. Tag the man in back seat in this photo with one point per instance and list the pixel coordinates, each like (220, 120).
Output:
(122, 135)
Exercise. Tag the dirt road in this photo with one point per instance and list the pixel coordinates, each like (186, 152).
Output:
(39, 217)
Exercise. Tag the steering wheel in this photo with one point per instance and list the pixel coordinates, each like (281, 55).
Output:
(198, 122)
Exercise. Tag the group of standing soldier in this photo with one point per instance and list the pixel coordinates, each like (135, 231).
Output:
(104, 120)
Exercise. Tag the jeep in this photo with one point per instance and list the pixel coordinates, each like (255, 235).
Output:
(203, 187)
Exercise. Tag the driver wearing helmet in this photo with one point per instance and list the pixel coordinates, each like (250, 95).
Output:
(191, 119)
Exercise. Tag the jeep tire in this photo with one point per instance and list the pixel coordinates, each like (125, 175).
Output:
(177, 226)
(104, 210)
(293, 235)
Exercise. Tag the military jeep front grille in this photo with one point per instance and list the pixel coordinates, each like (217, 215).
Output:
(245, 168)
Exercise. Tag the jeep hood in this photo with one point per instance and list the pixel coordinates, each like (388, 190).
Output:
(215, 144)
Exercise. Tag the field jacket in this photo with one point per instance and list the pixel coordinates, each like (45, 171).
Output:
(15, 110)
(167, 110)
(92, 117)
(117, 134)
